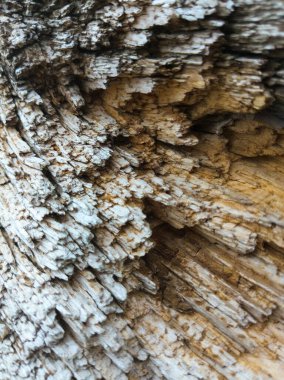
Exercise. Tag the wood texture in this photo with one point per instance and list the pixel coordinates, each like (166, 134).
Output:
(141, 189)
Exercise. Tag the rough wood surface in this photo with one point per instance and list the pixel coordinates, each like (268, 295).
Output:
(141, 189)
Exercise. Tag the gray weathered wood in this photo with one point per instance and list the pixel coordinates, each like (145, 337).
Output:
(141, 189)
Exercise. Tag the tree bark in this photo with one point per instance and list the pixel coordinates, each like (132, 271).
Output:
(141, 189)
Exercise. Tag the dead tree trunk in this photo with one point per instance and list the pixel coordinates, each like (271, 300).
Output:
(141, 197)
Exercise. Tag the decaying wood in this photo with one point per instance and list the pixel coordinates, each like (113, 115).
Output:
(141, 197)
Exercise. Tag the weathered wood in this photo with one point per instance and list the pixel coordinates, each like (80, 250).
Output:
(141, 189)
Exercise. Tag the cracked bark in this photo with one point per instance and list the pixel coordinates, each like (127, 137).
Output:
(141, 189)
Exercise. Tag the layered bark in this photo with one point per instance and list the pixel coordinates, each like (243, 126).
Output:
(141, 197)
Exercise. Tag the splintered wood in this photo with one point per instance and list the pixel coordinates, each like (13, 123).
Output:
(141, 189)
